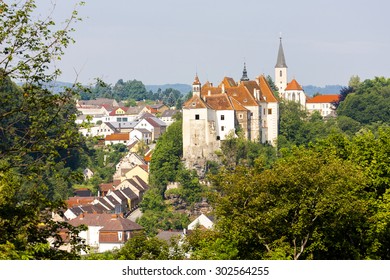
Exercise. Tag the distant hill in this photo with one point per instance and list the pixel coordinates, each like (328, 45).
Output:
(183, 88)
(329, 89)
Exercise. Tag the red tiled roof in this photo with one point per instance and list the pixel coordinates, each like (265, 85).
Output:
(105, 187)
(237, 105)
(326, 98)
(293, 85)
(266, 90)
(77, 201)
(118, 137)
(113, 112)
(195, 102)
(219, 102)
(228, 82)
(109, 222)
(242, 95)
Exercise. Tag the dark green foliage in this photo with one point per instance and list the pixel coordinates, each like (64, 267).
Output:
(166, 159)
(40, 146)
(369, 103)
(157, 216)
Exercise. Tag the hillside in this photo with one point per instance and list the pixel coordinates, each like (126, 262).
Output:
(183, 88)
(310, 90)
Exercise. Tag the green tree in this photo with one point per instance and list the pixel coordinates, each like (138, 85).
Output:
(166, 159)
(308, 205)
(369, 103)
(38, 135)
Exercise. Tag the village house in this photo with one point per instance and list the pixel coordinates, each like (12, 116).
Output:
(168, 116)
(117, 138)
(324, 104)
(105, 231)
(202, 221)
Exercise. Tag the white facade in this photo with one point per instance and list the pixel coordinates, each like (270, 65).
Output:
(202, 220)
(225, 120)
(269, 123)
(324, 109)
(281, 78)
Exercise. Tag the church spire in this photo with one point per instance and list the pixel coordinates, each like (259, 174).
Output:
(244, 74)
(281, 61)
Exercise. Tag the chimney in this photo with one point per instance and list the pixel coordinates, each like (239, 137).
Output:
(209, 92)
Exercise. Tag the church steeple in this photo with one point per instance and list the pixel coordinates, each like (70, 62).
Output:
(281, 69)
(281, 61)
(244, 74)
(196, 86)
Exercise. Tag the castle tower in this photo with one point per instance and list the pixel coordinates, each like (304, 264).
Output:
(281, 70)
(196, 86)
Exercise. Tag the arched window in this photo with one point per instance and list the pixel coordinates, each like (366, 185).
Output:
(280, 73)
(293, 96)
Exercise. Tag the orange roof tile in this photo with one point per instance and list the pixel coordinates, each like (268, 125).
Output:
(237, 105)
(293, 85)
(118, 137)
(228, 82)
(326, 98)
(219, 102)
(266, 91)
(195, 102)
(242, 95)
(208, 89)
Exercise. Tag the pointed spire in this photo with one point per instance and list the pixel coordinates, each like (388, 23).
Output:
(244, 74)
(196, 80)
(281, 61)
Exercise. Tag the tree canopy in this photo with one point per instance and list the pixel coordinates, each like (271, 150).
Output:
(39, 141)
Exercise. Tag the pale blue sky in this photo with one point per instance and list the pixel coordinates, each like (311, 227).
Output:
(168, 41)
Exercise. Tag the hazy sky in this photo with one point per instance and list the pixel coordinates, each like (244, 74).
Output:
(168, 41)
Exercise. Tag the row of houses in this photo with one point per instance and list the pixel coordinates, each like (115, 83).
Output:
(115, 198)
(106, 214)
(116, 124)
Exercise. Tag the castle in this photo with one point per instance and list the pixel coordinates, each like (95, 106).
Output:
(248, 106)
(214, 112)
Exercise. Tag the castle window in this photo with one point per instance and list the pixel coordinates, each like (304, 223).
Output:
(222, 117)
(281, 73)
(222, 128)
(240, 116)
(270, 111)
(196, 117)
(218, 138)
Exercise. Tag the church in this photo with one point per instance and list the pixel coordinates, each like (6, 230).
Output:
(292, 91)
(247, 106)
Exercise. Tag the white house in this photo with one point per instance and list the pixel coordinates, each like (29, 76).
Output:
(105, 231)
(324, 104)
(202, 220)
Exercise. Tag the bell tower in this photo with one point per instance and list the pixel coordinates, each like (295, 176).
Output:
(196, 86)
(281, 69)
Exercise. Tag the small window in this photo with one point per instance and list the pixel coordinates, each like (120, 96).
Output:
(119, 235)
(222, 117)
(281, 73)
(196, 117)
(240, 116)
(218, 138)
(269, 111)
(222, 128)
